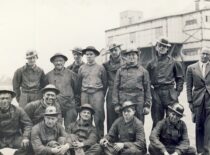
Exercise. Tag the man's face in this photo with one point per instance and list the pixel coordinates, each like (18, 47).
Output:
(85, 115)
(161, 49)
(115, 52)
(132, 58)
(5, 101)
(59, 63)
(31, 61)
(173, 117)
(50, 121)
(77, 57)
(204, 55)
(49, 97)
(90, 56)
(128, 114)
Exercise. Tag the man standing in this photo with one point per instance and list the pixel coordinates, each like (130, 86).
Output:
(126, 136)
(77, 53)
(132, 83)
(198, 95)
(83, 132)
(167, 80)
(93, 84)
(170, 137)
(65, 80)
(28, 80)
(36, 109)
(15, 125)
(111, 68)
(49, 137)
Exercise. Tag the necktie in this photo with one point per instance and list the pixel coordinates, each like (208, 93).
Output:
(203, 69)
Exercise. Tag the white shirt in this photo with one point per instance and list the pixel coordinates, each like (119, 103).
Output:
(203, 67)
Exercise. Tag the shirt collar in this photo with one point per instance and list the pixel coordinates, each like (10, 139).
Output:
(34, 68)
(201, 63)
(59, 72)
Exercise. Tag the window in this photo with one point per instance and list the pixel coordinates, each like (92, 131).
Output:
(207, 19)
(190, 51)
(190, 22)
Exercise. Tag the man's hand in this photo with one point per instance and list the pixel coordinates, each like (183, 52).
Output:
(55, 150)
(78, 144)
(166, 153)
(73, 137)
(63, 148)
(25, 143)
(118, 146)
(146, 110)
(104, 142)
(117, 109)
(191, 107)
(175, 153)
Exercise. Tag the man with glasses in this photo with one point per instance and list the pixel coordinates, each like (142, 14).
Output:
(167, 80)
(198, 95)
(28, 80)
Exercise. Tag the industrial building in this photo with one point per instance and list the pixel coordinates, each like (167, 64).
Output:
(187, 32)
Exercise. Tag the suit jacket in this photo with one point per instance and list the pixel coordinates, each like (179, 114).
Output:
(197, 85)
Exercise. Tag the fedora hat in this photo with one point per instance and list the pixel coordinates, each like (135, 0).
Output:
(91, 48)
(127, 104)
(77, 50)
(177, 108)
(112, 46)
(87, 106)
(51, 111)
(50, 87)
(31, 53)
(164, 41)
(130, 50)
(7, 90)
(58, 55)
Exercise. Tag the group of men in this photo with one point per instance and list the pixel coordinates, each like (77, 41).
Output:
(77, 94)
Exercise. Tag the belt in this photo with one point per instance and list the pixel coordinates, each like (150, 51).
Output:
(30, 91)
(163, 87)
(131, 89)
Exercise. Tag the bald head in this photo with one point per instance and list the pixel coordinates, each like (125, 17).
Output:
(204, 54)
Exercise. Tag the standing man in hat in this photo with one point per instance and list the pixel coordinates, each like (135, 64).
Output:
(93, 85)
(15, 125)
(126, 136)
(66, 81)
(132, 83)
(111, 68)
(83, 132)
(28, 80)
(49, 137)
(170, 137)
(198, 95)
(77, 53)
(167, 79)
(36, 109)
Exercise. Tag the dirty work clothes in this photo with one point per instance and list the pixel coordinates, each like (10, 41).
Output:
(170, 137)
(66, 81)
(75, 67)
(27, 82)
(83, 132)
(165, 73)
(132, 83)
(41, 136)
(96, 100)
(131, 134)
(111, 68)
(15, 125)
(36, 110)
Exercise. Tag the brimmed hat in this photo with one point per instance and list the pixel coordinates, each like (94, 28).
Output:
(177, 108)
(50, 87)
(86, 106)
(77, 50)
(58, 55)
(31, 53)
(164, 41)
(91, 48)
(7, 90)
(112, 46)
(130, 50)
(51, 111)
(127, 104)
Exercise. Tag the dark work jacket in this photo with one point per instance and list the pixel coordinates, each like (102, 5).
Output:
(166, 135)
(74, 67)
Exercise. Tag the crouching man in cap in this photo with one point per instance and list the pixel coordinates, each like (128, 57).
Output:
(36, 109)
(126, 136)
(132, 83)
(83, 133)
(15, 125)
(49, 137)
(170, 136)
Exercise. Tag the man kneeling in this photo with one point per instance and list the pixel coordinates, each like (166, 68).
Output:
(126, 136)
(170, 136)
(49, 137)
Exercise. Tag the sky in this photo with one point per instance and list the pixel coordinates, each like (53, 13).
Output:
(51, 26)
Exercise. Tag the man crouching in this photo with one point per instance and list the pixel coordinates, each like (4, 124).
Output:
(49, 137)
(126, 136)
